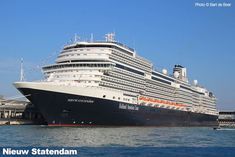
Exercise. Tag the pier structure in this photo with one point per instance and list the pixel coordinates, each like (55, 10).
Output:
(227, 118)
(19, 112)
(12, 108)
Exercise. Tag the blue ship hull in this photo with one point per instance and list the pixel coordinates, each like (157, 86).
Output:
(60, 109)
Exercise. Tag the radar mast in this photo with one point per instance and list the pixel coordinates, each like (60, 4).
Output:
(110, 37)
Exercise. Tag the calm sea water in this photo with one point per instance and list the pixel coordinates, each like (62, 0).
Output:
(124, 141)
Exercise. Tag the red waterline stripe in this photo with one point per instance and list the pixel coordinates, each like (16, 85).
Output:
(145, 126)
(85, 125)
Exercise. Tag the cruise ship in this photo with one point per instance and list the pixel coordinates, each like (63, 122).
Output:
(106, 83)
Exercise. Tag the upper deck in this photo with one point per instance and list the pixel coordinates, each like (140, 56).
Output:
(100, 51)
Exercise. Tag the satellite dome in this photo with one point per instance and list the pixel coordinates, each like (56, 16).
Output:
(176, 74)
(164, 71)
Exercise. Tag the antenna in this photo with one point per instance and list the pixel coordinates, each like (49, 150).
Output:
(76, 38)
(110, 37)
(134, 45)
(21, 70)
(92, 37)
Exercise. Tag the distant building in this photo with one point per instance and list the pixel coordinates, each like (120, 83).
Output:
(11, 108)
(227, 118)
(15, 109)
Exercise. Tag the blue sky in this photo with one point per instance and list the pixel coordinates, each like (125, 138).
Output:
(164, 31)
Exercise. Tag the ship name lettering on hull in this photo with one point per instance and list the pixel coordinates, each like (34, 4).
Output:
(128, 107)
(81, 100)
